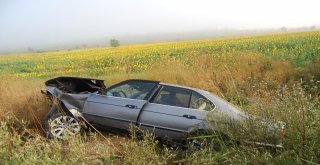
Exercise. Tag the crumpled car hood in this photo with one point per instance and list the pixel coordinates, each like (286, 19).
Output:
(76, 84)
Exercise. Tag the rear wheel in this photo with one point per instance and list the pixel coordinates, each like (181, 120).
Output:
(62, 126)
(211, 140)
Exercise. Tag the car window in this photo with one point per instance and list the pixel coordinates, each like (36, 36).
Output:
(200, 102)
(133, 90)
(173, 96)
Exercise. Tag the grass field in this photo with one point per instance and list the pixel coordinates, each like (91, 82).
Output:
(274, 76)
(297, 48)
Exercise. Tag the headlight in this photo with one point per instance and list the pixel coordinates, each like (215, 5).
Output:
(76, 113)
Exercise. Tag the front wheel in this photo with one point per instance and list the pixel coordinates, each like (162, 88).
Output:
(62, 127)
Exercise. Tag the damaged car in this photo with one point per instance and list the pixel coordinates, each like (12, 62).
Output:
(167, 110)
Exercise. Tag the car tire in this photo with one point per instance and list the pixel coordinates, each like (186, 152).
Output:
(211, 140)
(62, 127)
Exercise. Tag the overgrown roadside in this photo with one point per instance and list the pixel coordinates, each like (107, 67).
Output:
(272, 87)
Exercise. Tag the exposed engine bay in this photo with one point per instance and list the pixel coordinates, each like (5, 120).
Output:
(76, 85)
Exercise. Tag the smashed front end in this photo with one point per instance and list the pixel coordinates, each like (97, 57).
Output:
(75, 85)
(68, 96)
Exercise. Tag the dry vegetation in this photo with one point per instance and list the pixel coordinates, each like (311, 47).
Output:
(277, 88)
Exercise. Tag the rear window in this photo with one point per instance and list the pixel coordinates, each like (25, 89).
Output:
(200, 102)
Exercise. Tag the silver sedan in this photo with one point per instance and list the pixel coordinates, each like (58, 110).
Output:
(167, 110)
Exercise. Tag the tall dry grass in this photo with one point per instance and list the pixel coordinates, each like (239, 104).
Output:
(230, 78)
(268, 87)
(22, 99)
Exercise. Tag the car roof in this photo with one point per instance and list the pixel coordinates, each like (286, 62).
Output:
(167, 84)
(203, 92)
(186, 87)
(142, 80)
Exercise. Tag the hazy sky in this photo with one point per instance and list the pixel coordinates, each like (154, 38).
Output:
(26, 23)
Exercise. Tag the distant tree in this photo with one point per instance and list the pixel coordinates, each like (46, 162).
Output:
(114, 43)
(284, 29)
(30, 49)
(312, 27)
(84, 45)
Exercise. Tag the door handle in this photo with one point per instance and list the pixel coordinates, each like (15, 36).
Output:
(189, 116)
(131, 106)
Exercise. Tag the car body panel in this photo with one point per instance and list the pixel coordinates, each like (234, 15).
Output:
(167, 120)
(112, 111)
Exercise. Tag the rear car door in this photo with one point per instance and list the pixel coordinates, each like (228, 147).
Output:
(174, 111)
(121, 105)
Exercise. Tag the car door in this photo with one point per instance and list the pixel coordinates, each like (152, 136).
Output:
(173, 112)
(121, 105)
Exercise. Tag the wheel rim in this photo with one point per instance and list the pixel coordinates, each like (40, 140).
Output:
(63, 127)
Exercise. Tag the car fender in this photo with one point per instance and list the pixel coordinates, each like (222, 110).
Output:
(59, 106)
(69, 101)
(202, 126)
